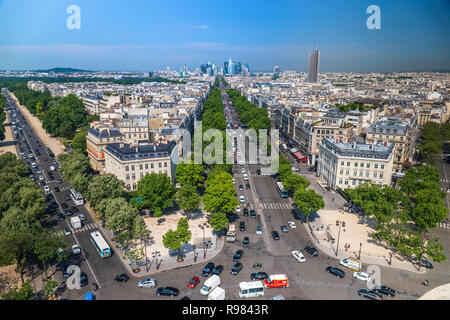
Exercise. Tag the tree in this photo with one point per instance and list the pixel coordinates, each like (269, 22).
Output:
(190, 173)
(24, 293)
(220, 195)
(188, 198)
(156, 191)
(79, 140)
(120, 218)
(308, 201)
(103, 187)
(294, 182)
(49, 287)
(218, 221)
(429, 209)
(171, 240)
(141, 233)
(80, 182)
(74, 162)
(46, 247)
(183, 233)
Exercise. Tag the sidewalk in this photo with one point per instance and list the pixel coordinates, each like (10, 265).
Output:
(53, 143)
(9, 144)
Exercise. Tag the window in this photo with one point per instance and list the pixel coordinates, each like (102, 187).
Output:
(132, 168)
(160, 164)
(152, 165)
(134, 186)
(382, 166)
(356, 164)
(355, 172)
(367, 165)
(128, 177)
(141, 166)
(361, 173)
(348, 164)
(165, 164)
(347, 172)
(346, 182)
(342, 171)
(381, 175)
(142, 174)
(146, 166)
(367, 173)
(127, 168)
(374, 174)
(342, 163)
(362, 165)
(354, 182)
(128, 187)
(375, 165)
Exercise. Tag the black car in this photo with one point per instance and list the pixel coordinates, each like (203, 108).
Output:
(259, 276)
(238, 255)
(218, 270)
(252, 214)
(74, 209)
(275, 235)
(242, 226)
(68, 212)
(49, 196)
(67, 197)
(258, 171)
(236, 268)
(59, 181)
(53, 205)
(247, 186)
(245, 212)
(284, 229)
(245, 242)
(167, 291)
(185, 298)
(241, 187)
(64, 205)
(385, 290)
(312, 251)
(57, 189)
(123, 277)
(336, 271)
(208, 269)
(370, 294)
(61, 216)
(83, 279)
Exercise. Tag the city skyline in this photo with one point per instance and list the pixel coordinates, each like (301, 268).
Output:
(262, 34)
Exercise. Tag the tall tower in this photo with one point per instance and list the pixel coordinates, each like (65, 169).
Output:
(313, 68)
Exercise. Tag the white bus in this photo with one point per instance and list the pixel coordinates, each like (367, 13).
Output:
(251, 289)
(100, 244)
(77, 198)
(283, 193)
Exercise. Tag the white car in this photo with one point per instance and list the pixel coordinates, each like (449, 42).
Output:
(147, 283)
(76, 249)
(243, 170)
(242, 199)
(258, 230)
(245, 177)
(34, 165)
(46, 188)
(234, 181)
(82, 217)
(298, 256)
(41, 178)
(238, 209)
(361, 276)
(294, 169)
(242, 163)
(292, 224)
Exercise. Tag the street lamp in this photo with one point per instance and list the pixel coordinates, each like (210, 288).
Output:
(203, 226)
(359, 256)
(155, 255)
(195, 253)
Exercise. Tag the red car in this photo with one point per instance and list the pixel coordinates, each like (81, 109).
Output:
(193, 282)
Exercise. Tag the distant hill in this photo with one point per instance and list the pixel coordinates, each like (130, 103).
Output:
(62, 70)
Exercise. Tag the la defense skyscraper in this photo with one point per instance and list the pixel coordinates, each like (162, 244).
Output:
(313, 70)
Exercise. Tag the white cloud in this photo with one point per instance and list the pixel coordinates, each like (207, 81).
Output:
(202, 27)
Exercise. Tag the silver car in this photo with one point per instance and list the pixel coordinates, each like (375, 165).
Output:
(147, 283)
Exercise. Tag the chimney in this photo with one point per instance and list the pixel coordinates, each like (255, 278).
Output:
(337, 140)
(121, 144)
(385, 143)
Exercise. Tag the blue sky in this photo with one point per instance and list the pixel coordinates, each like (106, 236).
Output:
(152, 34)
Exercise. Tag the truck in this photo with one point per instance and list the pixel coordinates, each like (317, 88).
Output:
(210, 284)
(351, 263)
(277, 281)
(231, 234)
(76, 222)
(217, 294)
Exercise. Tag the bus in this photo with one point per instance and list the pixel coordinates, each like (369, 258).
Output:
(251, 289)
(76, 197)
(100, 244)
(283, 193)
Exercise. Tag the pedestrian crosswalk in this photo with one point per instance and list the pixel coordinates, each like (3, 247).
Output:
(444, 225)
(445, 180)
(445, 189)
(86, 227)
(275, 205)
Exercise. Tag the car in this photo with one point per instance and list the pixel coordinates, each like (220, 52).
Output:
(147, 283)
(76, 249)
(167, 291)
(294, 169)
(245, 242)
(292, 224)
(122, 277)
(259, 276)
(41, 177)
(49, 196)
(247, 186)
(243, 170)
(252, 214)
(67, 197)
(241, 187)
(218, 270)
(74, 209)
(46, 189)
(208, 269)
(185, 298)
(238, 209)
(61, 253)
(61, 216)
(275, 235)
(370, 294)
(258, 171)
(242, 199)
(237, 255)
(67, 231)
(236, 268)
(384, 290)
(298, 256)
(65, 272)
(193, 282)
(258, 230)
(64, 205)
(83, 279)
(234, 181)
(53, 205)
(312, 251)
(241, 163)
(59, 181)
(363, 276)
(242, 226)
(34, 165)
(245, 212)
(284, 229)
(245, 177)
(335, 271)
(68, 212)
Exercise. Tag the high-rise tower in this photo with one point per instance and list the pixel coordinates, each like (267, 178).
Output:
(313, 68)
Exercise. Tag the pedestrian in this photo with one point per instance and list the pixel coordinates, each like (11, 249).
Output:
(332, 199)
(322, 227)
(349, 245)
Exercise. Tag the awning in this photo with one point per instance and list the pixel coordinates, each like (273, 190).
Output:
(299, 156)
(293, 150)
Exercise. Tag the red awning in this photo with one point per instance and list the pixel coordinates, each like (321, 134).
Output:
(299, 156)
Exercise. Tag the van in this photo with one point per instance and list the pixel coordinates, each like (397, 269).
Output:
(217, 294)
(276, 281)
(351, 263)
(210, 284)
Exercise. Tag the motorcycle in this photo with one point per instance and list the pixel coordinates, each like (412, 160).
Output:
(426, 283)
(257, 265)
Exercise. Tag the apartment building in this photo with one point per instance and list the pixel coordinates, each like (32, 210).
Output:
(130, 163)
(399, 133)
(347, 165)
(99, 135)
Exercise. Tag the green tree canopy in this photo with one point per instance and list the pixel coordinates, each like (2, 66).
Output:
(156, 191)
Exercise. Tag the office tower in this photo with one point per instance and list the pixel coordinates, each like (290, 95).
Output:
(313, 71)
(276, 70)
(225, 67)
(238, 68)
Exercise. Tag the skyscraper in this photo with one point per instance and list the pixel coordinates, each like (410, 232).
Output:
(276, 70)
(313, 71)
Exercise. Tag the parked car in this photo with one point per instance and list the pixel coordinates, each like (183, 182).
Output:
(385, 290)
(259, 276)
(83, 279)
(64, 205)
(241, 187)
(57, 189)
(193, 282)
(363, 276)
(237, 255)
(74, 209)
(292, 224)
(46, 189)
(68, 212)
(242, 170)
(242, 226)
(242, 199)
(238, 209)
(208, 269)
(76, 249)
(370, 294)
(258, 230)
(147, 283)
(336, 271)
(218, 270)
(275, 235)
(122, 277)
(245, 242)
(61, 216)
(298, 256)
(245, 177)
(236, 268)
(312, 251)
(245, 212)
(67, 231)
(252, 214)
(167, 291)
(284, 229)
(82, 217)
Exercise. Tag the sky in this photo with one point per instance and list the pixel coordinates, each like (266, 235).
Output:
(146, 35)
